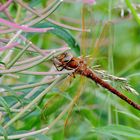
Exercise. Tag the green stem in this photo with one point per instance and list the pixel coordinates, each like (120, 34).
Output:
(31, 85)
(21, 68)
(46, 129)
(110, 59)
(128, 3)
(33, 103)
(18, 56)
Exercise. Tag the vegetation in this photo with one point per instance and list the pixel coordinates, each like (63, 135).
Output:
(39, 102)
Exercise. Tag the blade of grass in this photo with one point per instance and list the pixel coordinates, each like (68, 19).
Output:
(110, 58)
(4, 133)
(137, 18)
(4, 104)
(118, 130)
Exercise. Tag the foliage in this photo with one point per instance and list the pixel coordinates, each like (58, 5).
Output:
(39, 102)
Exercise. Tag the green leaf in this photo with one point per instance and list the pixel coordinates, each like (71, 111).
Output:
(132, 116)
(41, 137)
(63, 34)
(118, 130)
(88, 114)
(4, 104)
(2, 63)
(3, 132)
(134, 13)
(54, 104)
(13, 94)
(59, 135)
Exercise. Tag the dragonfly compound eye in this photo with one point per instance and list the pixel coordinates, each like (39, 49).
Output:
(66, 60)
(67, 57)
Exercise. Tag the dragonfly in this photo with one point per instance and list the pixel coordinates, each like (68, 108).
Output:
(68, 62)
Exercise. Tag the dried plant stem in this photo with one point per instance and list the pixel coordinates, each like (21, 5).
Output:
(75, 99)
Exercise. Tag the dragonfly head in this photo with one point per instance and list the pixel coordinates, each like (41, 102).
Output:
(64, 57)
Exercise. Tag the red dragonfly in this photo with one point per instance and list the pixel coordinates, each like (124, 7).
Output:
(68, 62)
